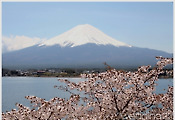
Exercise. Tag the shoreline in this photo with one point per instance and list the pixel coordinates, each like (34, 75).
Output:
(46, 76)
(70, 77)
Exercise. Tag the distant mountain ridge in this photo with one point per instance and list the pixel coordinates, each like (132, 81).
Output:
(83, 46)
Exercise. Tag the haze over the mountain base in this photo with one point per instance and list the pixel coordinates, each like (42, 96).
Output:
(85, 56)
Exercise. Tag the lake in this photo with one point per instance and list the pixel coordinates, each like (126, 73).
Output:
(14, 89)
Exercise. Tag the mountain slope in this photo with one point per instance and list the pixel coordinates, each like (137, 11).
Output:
(88, 55)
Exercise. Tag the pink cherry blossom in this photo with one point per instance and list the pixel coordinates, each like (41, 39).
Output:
(113, 94)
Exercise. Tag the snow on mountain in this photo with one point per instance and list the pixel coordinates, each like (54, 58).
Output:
(83, 34)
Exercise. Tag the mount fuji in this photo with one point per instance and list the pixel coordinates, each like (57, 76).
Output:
(82, 46)
(83, 34)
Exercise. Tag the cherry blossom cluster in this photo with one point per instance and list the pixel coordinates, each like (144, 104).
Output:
(113, 94)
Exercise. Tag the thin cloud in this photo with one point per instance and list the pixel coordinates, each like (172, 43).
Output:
(13, 43)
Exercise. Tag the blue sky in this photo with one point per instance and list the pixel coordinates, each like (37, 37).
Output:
(144, 24)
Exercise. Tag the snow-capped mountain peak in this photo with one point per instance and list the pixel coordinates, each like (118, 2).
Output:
(83, 34)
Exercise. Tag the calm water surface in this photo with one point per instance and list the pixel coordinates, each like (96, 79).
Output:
(14, 89)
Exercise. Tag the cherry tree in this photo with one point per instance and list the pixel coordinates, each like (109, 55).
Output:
(113, 94)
